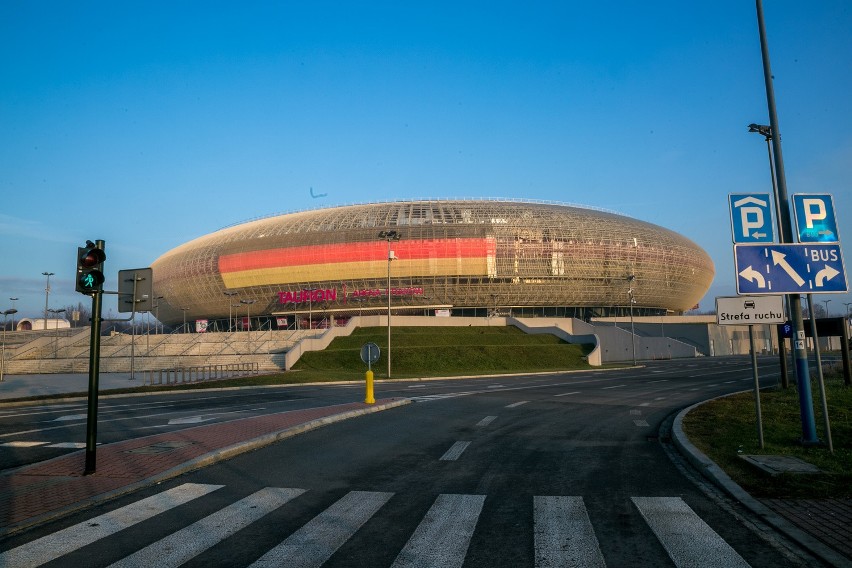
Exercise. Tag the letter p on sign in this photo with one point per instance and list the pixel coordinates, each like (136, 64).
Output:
(814, 211)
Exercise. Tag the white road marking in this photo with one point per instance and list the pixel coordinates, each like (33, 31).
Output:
(52, 546)
(688, 540)
(22, 444)
(516, 404)
(455, 451)
(314, 543)
(443, 536)
(613, 387)
(563, 534)
(486, 421)
(641, 423)
(567, 393)
(185, 544)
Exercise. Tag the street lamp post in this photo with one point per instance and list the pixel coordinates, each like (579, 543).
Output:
(6, 314)
(184, 310)
(389, 236)
(248, 304)
(56, 330)
(14, 312)
(46, 295)
(826, 306)
(230, 301)
(631, 279)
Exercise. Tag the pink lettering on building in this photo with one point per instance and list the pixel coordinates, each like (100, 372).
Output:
(300, 296)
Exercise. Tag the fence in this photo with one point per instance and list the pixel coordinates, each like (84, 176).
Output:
(183, 375)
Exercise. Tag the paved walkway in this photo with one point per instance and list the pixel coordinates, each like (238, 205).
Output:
(39, 492)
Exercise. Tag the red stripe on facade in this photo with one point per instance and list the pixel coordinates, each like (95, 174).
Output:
(355, 252)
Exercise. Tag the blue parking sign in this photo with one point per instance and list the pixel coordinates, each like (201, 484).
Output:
(815, 220)
(751, 218)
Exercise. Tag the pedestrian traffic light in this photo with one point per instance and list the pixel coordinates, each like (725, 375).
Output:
(90, 275)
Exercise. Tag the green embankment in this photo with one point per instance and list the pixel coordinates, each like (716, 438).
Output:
(437, 351)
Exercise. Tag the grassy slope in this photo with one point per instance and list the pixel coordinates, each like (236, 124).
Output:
(726, 428)
(424, 351)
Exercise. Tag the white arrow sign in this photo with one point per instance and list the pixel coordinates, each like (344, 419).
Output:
(753, 275)
(779, 259)
(826, 273)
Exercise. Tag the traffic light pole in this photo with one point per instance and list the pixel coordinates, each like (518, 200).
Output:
(794, 302)
(94, 368)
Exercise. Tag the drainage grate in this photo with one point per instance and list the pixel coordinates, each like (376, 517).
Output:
(160, 447)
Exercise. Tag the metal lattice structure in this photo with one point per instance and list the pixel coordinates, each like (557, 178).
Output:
(464, 255)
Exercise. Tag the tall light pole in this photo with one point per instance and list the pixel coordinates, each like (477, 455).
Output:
(631, 279)
(13, 312)
(389, 236)
(826, 306)
(184, 310)
(248, 304)
(766, 132)
(56, 329)
(800, 355)
(230, 301)
(6, 314)
(46, 295)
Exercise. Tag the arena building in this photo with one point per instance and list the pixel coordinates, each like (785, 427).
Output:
(437, 257)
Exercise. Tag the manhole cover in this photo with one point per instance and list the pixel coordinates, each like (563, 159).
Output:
(160, 447)
(776, 465)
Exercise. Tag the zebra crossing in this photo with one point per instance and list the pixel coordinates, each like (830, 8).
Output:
(563, 532)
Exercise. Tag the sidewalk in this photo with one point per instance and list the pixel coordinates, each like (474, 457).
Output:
(36, 493)
(821, 526)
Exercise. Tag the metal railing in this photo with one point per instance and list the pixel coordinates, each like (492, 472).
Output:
(184, 375)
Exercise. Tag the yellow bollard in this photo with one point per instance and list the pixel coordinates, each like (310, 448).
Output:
(369, 399)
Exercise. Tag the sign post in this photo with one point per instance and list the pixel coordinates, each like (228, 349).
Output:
(751, 310)
(370, 354)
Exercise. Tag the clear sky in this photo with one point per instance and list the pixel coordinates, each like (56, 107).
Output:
(148, 124)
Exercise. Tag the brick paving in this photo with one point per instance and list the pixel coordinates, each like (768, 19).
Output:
(48, 489)
(829, 520)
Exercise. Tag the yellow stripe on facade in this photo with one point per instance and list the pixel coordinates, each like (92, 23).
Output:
(357, 271)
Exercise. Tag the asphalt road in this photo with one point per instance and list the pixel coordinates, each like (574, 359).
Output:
(545, 470)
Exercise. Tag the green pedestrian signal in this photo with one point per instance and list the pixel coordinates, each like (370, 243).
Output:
(90, 274)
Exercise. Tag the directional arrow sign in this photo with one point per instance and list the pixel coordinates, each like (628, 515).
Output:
(789, 269)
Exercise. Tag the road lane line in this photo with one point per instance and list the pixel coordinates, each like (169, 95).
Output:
(516, 404)
(314, 543)
(688, 540)
(567, 393)
(486, 421)
(187, 543)
(563, 534)
(443, 536)
(613, 387)
(52, 546)
(455, 451)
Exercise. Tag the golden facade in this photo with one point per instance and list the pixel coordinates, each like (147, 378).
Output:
(498, 256)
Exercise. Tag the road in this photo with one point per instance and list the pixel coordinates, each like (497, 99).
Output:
(545, 470)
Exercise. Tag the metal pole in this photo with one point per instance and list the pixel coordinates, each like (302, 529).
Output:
(94, 368)
(799, 353)
(819, 374)
(782, 353)
(389, 310)
(756, 386)
(46, 295)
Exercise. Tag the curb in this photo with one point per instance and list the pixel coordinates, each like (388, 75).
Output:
(200, 462)
(717, 475)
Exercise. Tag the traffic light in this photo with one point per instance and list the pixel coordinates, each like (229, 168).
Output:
(90, 274)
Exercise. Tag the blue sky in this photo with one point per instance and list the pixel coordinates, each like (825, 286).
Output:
(150, 124)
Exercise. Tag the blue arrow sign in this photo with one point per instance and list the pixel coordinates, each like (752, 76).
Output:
(815, 221)
(751, 218)
(790, 269)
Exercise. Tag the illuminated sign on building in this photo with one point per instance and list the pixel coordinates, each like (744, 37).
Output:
(330, 294)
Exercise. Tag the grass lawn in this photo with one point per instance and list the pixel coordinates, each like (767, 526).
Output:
(726, 428)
